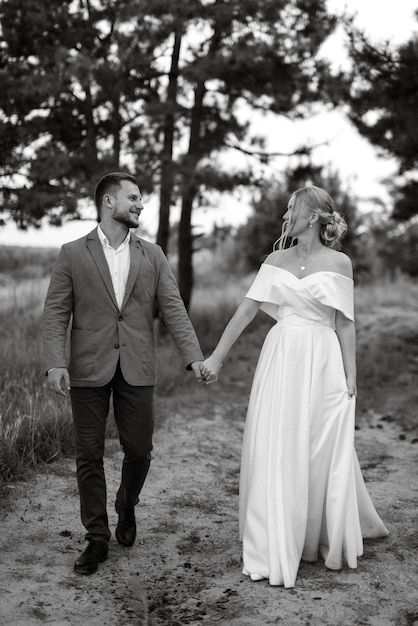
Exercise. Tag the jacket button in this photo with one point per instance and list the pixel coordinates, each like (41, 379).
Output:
(116, 345)
(120, 318)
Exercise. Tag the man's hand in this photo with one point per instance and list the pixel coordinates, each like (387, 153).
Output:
(59, 380)
(196, 368)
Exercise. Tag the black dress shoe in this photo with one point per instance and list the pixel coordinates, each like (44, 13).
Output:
(88, 561)
(126, 528)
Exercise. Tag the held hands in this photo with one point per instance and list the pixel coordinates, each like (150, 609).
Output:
(197, 367)
(59, 380)
(207, 371)
(210, 369)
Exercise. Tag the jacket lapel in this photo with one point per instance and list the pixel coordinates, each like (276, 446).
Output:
(136, 255)
(96, 250)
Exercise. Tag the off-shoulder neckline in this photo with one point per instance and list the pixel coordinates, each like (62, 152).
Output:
(308, 275)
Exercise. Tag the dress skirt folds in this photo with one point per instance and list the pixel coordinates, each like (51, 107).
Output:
(302, 494)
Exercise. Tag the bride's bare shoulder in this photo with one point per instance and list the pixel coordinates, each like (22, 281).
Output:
(277, 257)
(341, 263)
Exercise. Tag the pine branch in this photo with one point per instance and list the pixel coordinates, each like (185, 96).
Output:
(262, 154)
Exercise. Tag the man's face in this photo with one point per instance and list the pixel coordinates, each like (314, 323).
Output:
(127, 204)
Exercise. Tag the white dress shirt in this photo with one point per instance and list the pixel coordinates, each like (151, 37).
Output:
(118, 262)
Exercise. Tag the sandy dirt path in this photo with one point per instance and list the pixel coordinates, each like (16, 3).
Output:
(185, 567)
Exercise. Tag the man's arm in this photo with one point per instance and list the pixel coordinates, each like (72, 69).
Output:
(175, 316)
(57, 313)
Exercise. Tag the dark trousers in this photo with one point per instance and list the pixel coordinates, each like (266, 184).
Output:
(134, 416)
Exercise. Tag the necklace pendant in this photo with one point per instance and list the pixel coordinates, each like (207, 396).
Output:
(302, 267)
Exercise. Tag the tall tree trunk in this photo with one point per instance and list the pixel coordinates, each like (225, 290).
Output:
(92, 159)
(190, 185)
(116, 130)
(185, 241)
(167, 166)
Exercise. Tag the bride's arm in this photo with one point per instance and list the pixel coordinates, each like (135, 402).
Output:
(244, 314)
(346, 330)
(346, 333)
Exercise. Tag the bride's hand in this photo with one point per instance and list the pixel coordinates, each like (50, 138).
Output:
(352, 387)
(210, 369)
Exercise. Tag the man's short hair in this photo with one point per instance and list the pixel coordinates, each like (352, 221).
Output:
(108, 183)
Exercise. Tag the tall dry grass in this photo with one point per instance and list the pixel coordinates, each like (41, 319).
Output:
(33, 426)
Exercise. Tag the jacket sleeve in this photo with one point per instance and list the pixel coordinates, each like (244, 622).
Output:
(175, 315)
(57, 312)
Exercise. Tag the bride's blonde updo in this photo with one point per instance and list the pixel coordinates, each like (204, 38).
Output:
(333, 226)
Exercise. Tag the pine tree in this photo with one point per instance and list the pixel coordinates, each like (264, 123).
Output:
(383, 103)
(263, 53)
(75, 81)
(155, 88)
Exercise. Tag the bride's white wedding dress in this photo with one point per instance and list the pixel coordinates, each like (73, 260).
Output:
(302, 493)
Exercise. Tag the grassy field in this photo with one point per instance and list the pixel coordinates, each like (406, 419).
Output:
(36, 427)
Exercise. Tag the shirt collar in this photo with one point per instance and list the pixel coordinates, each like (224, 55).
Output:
(105, 241)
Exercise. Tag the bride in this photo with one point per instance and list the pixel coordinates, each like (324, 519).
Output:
(302, 494)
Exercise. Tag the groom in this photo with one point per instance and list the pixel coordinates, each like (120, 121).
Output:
(108, 282)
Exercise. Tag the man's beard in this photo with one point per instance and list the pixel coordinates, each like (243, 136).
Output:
(127, 220)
